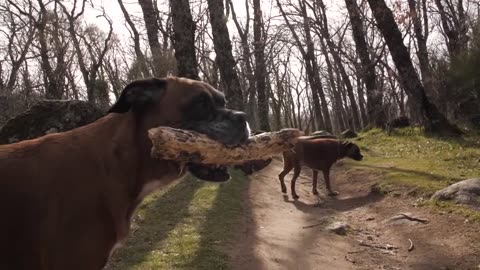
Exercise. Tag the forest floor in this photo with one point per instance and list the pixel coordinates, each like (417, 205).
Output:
(281, 233)
(247, 223)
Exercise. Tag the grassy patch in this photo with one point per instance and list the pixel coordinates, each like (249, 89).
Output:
(451, 207)
(184, 226)
(409, 159)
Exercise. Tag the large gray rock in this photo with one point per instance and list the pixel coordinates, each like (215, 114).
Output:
(47, 117)
(348, 134)
(11, 105)
(463, 192)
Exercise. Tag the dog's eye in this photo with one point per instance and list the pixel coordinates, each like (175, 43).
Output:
(201, 108)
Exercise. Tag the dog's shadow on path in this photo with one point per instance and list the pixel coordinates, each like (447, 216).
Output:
(335, 203)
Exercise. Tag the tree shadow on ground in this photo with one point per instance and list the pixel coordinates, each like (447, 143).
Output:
(423, 174)
(153, 221)
(224, 223)
(337, 204)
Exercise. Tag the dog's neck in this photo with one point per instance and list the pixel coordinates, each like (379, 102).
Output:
(131, 147)
(342, 150)
(124, 148)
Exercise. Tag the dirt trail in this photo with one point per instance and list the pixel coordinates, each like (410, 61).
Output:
(280, 233)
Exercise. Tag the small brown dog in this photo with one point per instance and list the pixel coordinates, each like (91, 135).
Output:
(319, 154)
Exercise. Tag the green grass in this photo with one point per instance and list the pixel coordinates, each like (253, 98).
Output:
(451, 207)
(185, 226)
(410, 160)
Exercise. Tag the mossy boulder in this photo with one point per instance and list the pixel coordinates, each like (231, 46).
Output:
(349, 134)
(465, 192)
(47, 117)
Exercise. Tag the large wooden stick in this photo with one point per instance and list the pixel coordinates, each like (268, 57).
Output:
(190, 146)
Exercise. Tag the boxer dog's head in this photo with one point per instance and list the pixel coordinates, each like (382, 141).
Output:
(185, 104)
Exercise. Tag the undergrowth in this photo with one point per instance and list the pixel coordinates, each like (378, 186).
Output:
(410, 160)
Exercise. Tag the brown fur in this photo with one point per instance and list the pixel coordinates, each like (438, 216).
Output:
(67, 198)
(319, 154)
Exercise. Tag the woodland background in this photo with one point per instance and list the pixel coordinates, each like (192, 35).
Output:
(309, 64)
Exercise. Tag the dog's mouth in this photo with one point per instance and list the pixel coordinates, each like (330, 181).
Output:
(229, 133)
(218, 172)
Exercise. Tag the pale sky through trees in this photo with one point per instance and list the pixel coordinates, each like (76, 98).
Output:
(293, 76)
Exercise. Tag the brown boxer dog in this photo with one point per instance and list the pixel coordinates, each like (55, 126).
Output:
(66, 199)
(319, 154)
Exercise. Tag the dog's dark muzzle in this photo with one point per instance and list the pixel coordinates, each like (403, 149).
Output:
(228, 127)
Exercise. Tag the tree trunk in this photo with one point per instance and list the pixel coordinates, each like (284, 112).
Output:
(315, 67)
(334, 88)
(224, 56)
(422, 52)
(52, 91)
(89, 73)
(323, 23)
(136, 41)
(151, 25)
(355, 119)
(375, 111)
(454, 26)
(251, 105)
(260, 67)
(184, 36)
(361, 94)
(433, 120)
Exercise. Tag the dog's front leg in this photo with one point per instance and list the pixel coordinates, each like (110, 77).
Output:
(314, 183)
(296, 173)
(326, 176)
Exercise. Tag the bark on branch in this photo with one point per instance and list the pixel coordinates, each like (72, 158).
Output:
(191, 146)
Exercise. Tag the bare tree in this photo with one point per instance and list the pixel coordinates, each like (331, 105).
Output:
(454, 23)
(312, 68)
(260, 69)
(421, 34)
(184, 39)
(243, 32)
(54, 77)
(374, 94)
(96, 54)
(434, 121)
(224, 57)
(19, 35)
(140, 57)
(151, 24)
(337, 101)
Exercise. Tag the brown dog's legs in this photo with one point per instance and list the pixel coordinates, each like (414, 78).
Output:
(296, 172)
(314, 184)
(326, 176)
(287, 167)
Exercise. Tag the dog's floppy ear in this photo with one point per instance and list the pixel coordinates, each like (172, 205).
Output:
(139, 95)
(346, 144)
